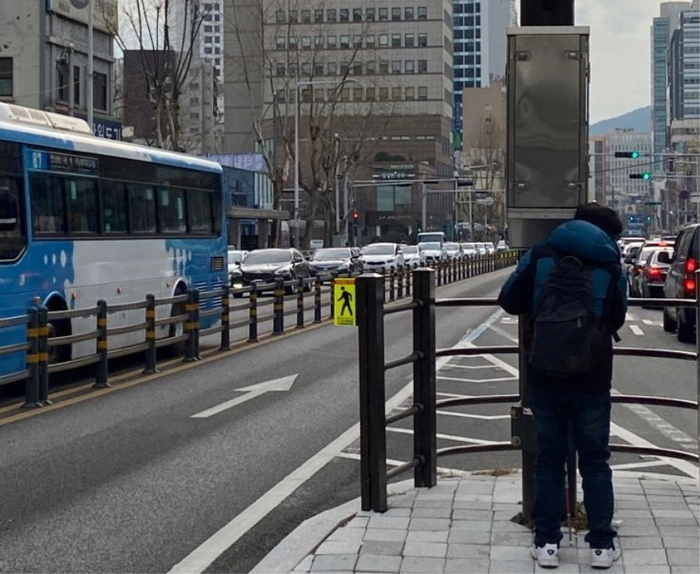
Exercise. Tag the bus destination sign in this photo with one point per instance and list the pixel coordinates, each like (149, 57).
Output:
(39, 160)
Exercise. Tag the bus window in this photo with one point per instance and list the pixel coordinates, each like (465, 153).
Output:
(81, 201)
(142, 205)
(12, 237)
(114, 207)
(47, 202)
(200, 211)
(171, 210)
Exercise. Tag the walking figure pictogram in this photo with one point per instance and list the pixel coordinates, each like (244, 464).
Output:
(346, 298)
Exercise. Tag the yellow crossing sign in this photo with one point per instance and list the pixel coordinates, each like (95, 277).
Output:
(344, 302)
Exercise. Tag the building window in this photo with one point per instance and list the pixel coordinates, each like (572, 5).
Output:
(409, 13)
(422, 40)
(369, 14)
(344, 14)
(396, 93)
(207, 39)
(396, 40)
(208, 29)
(396, 67)
(332, 42)
(410, 93)
(344, 42)
(371, 68)
(357, 41)
(410, 67)
(279, 15)
(281, 70)
(371, 95)
(318, 68)
(383, 14)
(423, 12)
(383, 40)
(357, 69)
(357, 14)
(318, 41)
(306, 69)
(332, 68)
(306, 42)
(422, 66)
(207, 50)
(99, 91)
(76, 85)
(293, 17)
(357, 94)
(383, 94)
(306, 16)
(344, 68)
(280, 42)
(384, 67)
(331, 15)
(318, 16)
(292, 42)
(422, 93)
(369, 40)
(396, 13)
(409, 40)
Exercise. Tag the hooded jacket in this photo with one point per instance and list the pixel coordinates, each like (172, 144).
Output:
(593, 246)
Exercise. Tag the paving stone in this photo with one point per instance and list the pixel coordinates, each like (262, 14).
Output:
(509, 553)
(436, 512)
(339, 547)
(429, 524)
(471, 514)
(347, 534)
(378, 563)
(649, 569)
(397, 512)
(465, 565)
(475, 504)
(674, 513)
(422, 565)
(431, 549)
(676, 521)
(640, 542)
(334, 562)
(682, 542)
(684, 570)
(511, 567)
(683, 557)
(670, 531)
(511, 538)
(645, 556)
(385, 535)
(305, 564)
(382, 547)
(393, 523)
(476, 525)
(468, 537)
(472, 551)
(427, 536)
(639, 529)
(358, 522)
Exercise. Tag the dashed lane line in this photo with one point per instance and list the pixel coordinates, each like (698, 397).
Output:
(636, 330)
(494, 380)
(472, 416)
(455, 438)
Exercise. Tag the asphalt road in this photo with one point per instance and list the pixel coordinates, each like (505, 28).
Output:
(130, 481)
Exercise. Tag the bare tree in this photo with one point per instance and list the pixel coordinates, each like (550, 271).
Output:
(285, 56)
(161, 47)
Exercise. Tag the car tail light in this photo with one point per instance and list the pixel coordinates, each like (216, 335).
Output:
(653, 272)
(691, 266)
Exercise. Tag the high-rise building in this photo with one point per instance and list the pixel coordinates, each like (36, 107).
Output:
(621, 191)
(661, 32)
(44, 60)
(480, 44)
(684, 67)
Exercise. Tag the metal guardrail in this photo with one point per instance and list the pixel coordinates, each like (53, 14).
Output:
(39, 346)
(373, 420)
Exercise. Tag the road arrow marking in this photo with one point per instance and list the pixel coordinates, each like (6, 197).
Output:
(283, 384)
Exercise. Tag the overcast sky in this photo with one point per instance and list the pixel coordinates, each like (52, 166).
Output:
(620, 53)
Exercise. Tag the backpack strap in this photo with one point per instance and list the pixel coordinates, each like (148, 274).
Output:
(614, 272)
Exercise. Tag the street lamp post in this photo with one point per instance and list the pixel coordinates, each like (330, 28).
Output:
(296, 144)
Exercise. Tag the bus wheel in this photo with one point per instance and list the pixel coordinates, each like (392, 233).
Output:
(58, 328)
(176, 329)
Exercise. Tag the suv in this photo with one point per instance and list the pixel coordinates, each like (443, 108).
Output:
(680, 284)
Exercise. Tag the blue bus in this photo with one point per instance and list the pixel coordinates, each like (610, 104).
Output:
(84, 218)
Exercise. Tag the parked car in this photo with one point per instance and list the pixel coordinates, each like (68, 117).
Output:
(433, 252)
(680, 284)
(452, 250)
(502, 246)
(651, 279)
(340, 259)
(480, 248)
(468, 249)
(263, 266)
(413, 256)
(490, 248)
(377, 256)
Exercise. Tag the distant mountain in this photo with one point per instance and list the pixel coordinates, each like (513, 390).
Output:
(639, 120)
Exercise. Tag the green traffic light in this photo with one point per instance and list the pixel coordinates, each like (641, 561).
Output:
(635, 155)
(646, 175)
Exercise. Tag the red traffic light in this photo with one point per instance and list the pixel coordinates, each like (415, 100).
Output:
(355, 216)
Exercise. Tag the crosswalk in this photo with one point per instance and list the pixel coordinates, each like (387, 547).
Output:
(633, 323)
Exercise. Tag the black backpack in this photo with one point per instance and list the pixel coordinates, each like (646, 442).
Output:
(568, 339)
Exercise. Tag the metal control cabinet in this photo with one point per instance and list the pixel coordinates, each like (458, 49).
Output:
(547, 139)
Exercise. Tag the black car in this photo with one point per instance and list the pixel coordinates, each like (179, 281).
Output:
(263, 266)
(680, 284)
(340, 259)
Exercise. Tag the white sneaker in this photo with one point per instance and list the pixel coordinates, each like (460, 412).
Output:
(546, 556)
(604, 557)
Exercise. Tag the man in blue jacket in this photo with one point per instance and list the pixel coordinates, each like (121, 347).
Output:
(580, 402)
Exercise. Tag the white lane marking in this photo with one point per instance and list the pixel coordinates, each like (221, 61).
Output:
(631, 317)
(444, 436)
(652, 323)
(455, 366)
(202, 556)
(394, 462)
(504, 333)
(495, 380)
(252, 391)
(640, 464)
(509, 320)
(636, 330)
(471, 416)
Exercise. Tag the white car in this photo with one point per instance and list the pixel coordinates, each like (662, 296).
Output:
(378, 256)
(469, 249)
(432, 251)
(502, 246)
(413, 256)
(481, 249)
(490, 248)
(235, 258)
(453, 250)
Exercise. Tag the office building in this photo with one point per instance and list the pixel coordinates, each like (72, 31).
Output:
(399, 57)
(684, 66)
(480, 45)
(623, 193)
(44, 59)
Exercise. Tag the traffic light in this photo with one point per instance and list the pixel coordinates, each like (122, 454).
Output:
(630, 154)
(643, 175)
(356, 216)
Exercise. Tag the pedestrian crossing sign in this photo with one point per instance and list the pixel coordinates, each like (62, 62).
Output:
(344, 302)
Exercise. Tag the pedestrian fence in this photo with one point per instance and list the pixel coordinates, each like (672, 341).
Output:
(371, 311)
(188, 310)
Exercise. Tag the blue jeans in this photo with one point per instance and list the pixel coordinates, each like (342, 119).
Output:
(589, 416)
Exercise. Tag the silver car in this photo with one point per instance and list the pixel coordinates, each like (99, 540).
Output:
(378, 256)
